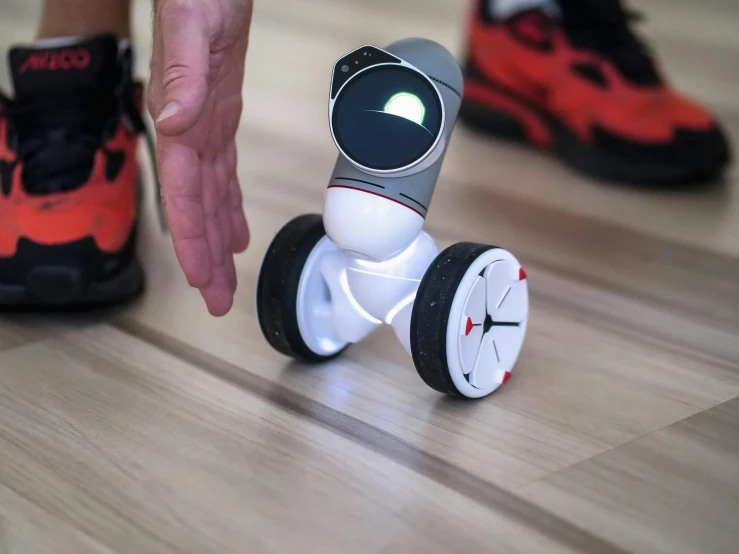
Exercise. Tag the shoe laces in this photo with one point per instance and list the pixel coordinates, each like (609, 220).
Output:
(605, 26)
(57, 136)
(72, 125)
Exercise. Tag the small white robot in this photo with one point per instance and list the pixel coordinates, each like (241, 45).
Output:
(329, 281)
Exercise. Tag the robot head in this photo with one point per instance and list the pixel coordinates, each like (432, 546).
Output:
(386, 116)
(391, 114)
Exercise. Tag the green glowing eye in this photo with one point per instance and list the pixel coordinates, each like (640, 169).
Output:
(407, 105)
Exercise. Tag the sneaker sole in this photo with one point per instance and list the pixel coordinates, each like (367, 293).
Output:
(524, 123)
(66, 286)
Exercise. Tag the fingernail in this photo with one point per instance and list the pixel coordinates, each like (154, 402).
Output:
(169, 110)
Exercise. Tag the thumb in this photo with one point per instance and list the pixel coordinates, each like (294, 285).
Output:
(184, 65)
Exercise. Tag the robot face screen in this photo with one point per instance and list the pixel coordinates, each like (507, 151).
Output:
(387, 118)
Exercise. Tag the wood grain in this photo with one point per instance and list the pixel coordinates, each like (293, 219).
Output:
(155, 428)
(675, 490)
(151, 454)
(25, 527)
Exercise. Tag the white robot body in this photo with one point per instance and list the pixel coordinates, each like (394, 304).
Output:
(368, 226)
(366, 294)
(381, 287)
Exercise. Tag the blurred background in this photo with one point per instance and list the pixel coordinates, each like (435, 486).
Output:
(156, 428)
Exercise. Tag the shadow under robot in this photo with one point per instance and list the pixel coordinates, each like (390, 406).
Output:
(329, 281)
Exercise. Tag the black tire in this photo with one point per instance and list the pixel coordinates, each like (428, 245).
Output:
(430, 317)
(277, 287)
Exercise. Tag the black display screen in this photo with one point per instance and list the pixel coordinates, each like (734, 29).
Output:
(387, 117)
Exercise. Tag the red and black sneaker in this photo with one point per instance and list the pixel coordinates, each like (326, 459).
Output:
(69, 175)
(583, 85)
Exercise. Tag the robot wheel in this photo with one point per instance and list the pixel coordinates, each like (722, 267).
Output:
(469, 320)
(290, 288)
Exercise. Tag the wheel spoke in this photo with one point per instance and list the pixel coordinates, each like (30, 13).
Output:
(471, 330)
(498, 352)
(508, 342)
(507, 295)
(486, 364)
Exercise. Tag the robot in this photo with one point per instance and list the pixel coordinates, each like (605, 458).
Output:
(328, 281)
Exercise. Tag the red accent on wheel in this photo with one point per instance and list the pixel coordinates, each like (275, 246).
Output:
(506, 375)
(521, 274)
(469, 326)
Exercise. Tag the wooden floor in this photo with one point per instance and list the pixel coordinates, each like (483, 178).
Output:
(155, 428)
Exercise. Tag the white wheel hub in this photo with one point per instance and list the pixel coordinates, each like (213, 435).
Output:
(487, 323)
(314, 309)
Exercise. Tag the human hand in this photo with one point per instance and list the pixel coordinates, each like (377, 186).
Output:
(194, 95)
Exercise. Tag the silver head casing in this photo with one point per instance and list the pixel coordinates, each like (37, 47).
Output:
(411, 186)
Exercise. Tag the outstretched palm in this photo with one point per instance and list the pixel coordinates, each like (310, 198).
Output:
(194, 95)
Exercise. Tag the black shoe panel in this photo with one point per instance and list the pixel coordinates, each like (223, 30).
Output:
(81, 255)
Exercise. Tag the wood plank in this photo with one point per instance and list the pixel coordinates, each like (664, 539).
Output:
(16, 332)
(143, 452)
(24, 527)
(634, 368)
(675, 491)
